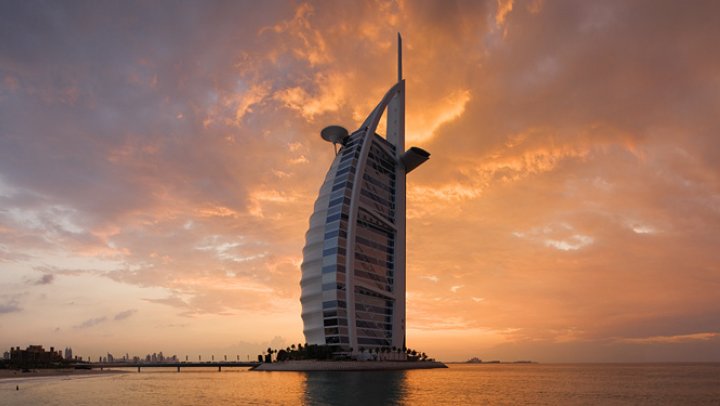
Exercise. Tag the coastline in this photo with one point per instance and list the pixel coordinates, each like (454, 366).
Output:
(311, 365)
(17, 375)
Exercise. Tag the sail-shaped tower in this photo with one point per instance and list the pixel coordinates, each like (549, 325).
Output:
(353, 269)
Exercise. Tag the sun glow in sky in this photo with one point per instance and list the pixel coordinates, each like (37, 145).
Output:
(159, 162)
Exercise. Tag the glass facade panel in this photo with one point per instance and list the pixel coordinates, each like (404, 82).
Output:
(373, 246)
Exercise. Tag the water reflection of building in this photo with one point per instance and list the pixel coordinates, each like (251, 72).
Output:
(353, 270)
(355, 388)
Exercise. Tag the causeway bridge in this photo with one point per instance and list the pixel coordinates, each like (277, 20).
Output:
(219, 365)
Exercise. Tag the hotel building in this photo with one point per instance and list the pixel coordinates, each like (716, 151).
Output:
(353, 269)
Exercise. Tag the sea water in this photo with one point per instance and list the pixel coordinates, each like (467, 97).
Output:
(460, 384)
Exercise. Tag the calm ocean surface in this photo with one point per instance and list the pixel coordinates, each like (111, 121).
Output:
(536, 384)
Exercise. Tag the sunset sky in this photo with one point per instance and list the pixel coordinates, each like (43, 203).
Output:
(159, 162)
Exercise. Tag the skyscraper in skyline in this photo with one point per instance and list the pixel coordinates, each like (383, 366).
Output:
(353, 269)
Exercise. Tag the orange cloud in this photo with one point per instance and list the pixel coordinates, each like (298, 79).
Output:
(570, 206)
(675, 339)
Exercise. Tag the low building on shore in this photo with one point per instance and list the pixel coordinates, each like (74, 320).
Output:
(35, 356)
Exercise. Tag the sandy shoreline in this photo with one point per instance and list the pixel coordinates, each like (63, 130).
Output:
(16, 374)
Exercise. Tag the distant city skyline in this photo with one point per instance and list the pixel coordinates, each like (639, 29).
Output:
(158, 163)
(155, 357)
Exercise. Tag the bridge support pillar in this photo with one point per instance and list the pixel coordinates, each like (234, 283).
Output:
(138, 368)
(219, 369)
(178, 368)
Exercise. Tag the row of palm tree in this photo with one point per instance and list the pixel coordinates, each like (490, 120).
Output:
(322, 352)
(382, 351)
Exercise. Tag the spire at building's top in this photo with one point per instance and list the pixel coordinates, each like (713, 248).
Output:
(399, 57)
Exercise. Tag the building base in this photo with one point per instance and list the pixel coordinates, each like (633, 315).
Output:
(348, 365)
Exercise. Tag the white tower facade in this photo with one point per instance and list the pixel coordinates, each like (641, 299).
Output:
(353, 269)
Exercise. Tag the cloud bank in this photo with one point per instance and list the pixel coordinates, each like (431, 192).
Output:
(572, 198)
